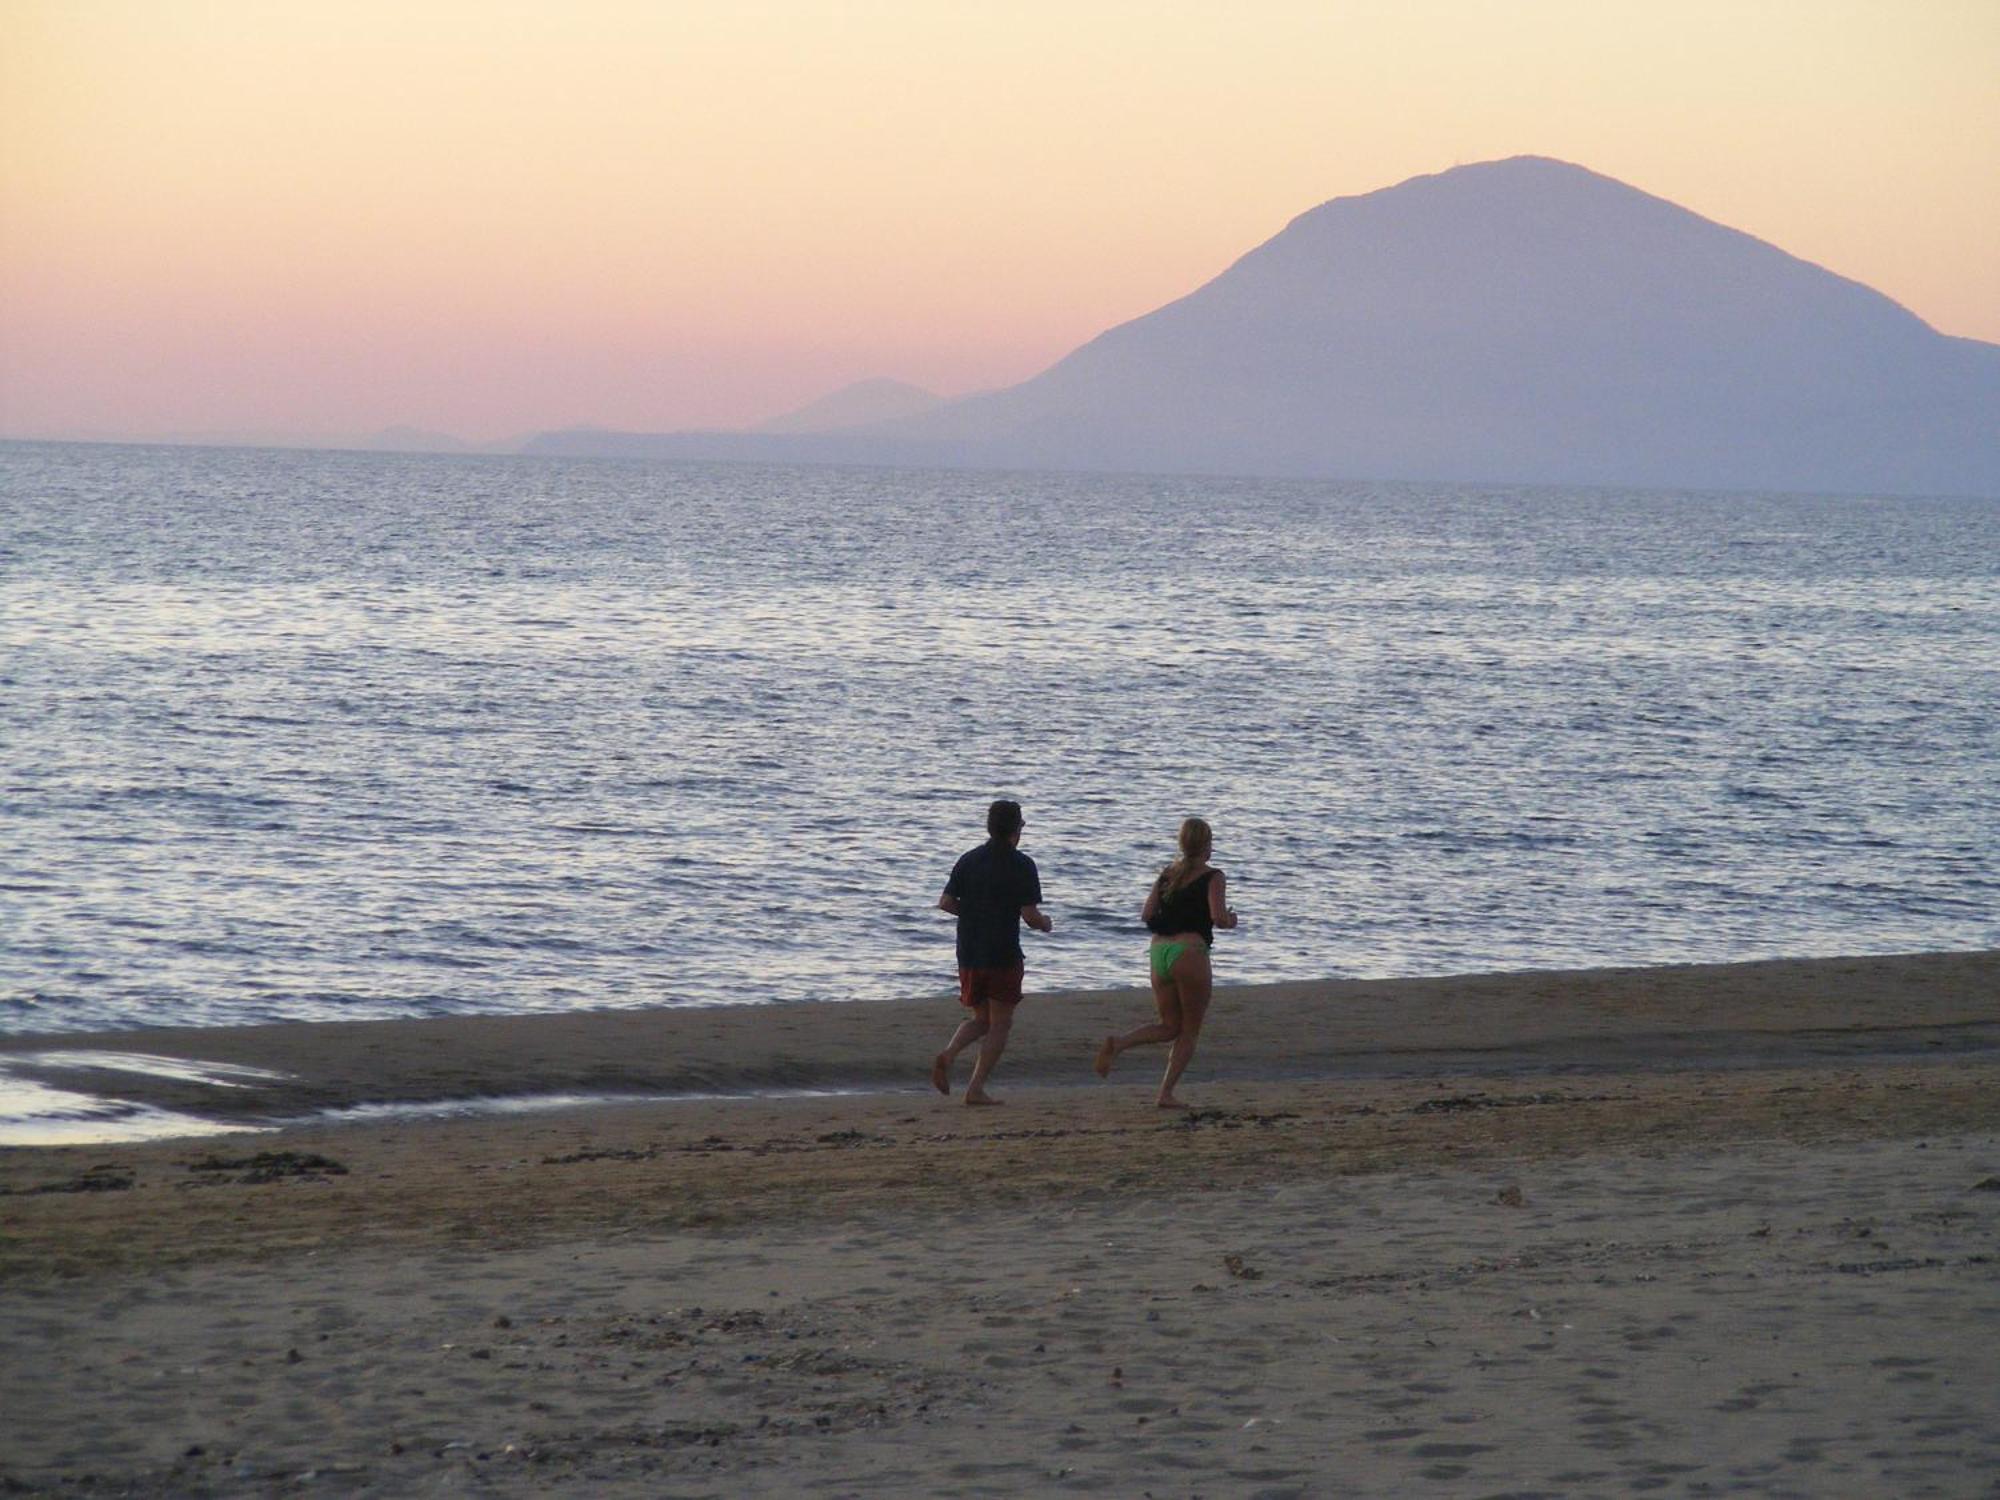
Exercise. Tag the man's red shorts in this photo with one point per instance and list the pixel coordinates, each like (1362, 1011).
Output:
(977, 986)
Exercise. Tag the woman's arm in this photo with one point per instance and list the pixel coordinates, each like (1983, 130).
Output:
(1152, 907)
(1218, 908)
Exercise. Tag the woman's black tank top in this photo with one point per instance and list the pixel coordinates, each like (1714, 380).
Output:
(1186, 910)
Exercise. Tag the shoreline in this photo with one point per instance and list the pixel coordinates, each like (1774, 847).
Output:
(1763, 1014)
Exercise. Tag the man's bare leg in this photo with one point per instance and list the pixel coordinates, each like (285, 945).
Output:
(1001, 1023)
(970, 1030)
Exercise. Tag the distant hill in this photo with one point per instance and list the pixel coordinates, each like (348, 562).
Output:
(857, 405)
(398, 439)
(404, 439)
(1522, 320)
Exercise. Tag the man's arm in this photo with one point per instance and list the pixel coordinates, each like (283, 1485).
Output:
(948, 902)
(1031, 899)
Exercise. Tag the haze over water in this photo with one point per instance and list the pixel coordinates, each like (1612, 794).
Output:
(316, 735)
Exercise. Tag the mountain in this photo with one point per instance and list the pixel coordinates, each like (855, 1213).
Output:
(1523, 320)
(857, 405)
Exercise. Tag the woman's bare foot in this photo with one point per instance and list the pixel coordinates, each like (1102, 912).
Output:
(980, 1098)
(1170, 1102)
(941, 1074)
(1107, 1053)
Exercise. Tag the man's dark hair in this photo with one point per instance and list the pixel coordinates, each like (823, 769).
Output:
(1003, 819)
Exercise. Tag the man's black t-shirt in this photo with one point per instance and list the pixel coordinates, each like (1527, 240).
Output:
(991, 884)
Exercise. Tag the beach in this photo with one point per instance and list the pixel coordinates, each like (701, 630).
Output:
(1694, 1230)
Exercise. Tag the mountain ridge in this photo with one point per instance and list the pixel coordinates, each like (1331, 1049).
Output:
(1522, 320)
(860, 404)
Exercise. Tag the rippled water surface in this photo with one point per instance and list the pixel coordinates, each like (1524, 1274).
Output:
(340, 735)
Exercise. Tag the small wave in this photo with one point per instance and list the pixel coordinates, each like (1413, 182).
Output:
(207, 947)
(32, 1115)
(1760, 794)
(200, 796)
(516, 1104)
(441, 960)
(181, 1069)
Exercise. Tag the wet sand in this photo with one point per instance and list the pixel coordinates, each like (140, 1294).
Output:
(1774, 1013)
(1688, 1231)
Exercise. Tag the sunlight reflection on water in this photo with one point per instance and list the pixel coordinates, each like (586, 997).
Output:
(317, 736)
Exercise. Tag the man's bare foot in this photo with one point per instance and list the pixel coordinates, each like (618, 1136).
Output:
(941, 1074)
(1107, 1053)
(1170, 1102)
(979, 1099)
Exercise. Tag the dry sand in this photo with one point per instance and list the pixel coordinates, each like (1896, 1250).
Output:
(1688, 1231)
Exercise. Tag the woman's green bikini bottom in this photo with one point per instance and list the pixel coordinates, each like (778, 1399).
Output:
(1163, 956)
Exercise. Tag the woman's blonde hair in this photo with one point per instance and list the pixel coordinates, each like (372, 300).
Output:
(1196, 838)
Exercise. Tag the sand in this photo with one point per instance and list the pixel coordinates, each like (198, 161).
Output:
(1687, 1231)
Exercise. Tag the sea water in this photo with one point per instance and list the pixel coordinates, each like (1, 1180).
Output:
(304, 736)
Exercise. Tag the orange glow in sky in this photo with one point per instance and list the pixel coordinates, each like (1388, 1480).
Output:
(499, 216)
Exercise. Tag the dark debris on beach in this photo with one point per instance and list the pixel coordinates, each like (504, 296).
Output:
(106, 1177)
(1227, 1119)
(574, 1157)
(271, 1166)
(1459, 1103)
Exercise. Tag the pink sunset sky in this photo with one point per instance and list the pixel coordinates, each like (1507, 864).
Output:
(320, 219)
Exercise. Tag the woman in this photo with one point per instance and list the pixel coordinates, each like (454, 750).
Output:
(1183, 910)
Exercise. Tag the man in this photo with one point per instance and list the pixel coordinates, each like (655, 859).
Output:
(993, 889)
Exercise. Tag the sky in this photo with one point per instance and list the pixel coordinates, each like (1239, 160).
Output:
(292, 218)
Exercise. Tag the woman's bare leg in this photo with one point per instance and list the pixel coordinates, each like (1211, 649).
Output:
(1167, 1001)
(970, 1030)
(1194, 980)
(995, 1042)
